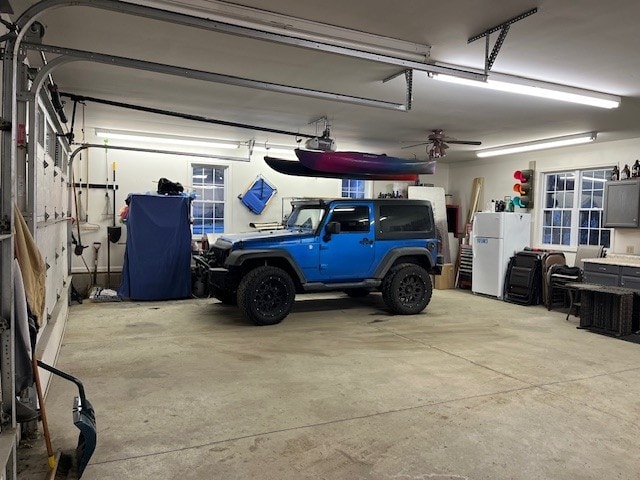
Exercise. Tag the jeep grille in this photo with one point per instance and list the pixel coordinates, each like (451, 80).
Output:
(220, 254)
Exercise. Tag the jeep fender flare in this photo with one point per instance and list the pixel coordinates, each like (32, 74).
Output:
(393, 255)
(237, 258)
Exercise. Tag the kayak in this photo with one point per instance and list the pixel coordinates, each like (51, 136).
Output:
(293, 167)
(363, 163)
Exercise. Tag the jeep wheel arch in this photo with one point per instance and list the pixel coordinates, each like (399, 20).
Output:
(415, 255)
(247, 260)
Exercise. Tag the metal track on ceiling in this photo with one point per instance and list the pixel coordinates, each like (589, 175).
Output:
(36, 10)
(209, 76)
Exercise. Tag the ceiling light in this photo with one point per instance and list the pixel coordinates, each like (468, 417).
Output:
(523, 86)
(539, 144)
(166, 139)
(269, 148)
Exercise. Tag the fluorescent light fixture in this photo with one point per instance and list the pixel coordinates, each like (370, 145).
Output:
(269, 148)
(165, 139)
(539, 144)
(303, 29)
(523, 86)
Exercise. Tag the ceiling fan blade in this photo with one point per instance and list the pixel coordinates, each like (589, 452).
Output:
(464, 142)
(415, 145)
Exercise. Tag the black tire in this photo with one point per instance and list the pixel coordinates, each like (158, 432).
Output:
(266, 295)
(407, 289)
(357, 292)
(226, 297)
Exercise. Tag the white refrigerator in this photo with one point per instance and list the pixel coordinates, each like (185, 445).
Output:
(496, 237)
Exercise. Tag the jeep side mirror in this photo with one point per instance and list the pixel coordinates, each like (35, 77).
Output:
(332, 227)
(329, 229)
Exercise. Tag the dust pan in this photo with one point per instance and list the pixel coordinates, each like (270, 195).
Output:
(83, 418)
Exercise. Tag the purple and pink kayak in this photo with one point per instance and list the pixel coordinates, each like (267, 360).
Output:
(363, 163)
(293, 167)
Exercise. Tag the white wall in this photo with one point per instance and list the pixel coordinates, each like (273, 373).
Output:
(498, 177)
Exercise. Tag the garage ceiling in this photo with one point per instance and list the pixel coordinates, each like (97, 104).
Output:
(588, 44)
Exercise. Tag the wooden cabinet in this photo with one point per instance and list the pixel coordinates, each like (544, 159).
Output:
(622, 203)
(612, 275)
(630, 277)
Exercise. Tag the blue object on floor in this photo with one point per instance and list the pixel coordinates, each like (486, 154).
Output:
(258, 195)
(157, 260)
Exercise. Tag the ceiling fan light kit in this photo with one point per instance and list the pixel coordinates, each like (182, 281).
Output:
(539, 144)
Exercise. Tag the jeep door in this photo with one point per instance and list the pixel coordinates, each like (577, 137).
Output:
(348, 255)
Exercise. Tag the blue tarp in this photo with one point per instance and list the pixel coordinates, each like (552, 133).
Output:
(157, 260)
(258, 195)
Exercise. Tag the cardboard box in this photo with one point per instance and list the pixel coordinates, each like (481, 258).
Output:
(447, 277)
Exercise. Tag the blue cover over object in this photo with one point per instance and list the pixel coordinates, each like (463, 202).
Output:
(157, 260)
(258, 195)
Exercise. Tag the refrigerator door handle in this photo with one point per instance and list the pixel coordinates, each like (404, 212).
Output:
(473, 242)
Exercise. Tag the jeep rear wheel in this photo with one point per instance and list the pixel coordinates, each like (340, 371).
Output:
(266, 295)
(407, 289)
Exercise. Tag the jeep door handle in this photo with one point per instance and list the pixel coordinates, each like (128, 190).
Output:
(366, 241)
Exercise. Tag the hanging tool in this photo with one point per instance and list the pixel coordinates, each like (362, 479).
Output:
(78, 247)
(84, 418)
(113, 232)
(43, 414)
(96, 247)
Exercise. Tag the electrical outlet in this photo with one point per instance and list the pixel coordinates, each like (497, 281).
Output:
(629, 248)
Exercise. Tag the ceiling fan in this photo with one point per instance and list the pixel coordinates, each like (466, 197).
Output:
(437, 143)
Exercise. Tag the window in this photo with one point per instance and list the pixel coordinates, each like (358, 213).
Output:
(306, 217)
(40, 120)
(405, 218)
(208, 207)
(51, 140)
(352, 188)
(351, 219)
(573, 208)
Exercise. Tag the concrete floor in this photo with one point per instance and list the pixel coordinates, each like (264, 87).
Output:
(472, 388)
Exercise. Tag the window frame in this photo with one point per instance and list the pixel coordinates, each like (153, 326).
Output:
(225, 186)
(576, 210)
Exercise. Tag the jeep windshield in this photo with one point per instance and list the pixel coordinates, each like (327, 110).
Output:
(305, 217)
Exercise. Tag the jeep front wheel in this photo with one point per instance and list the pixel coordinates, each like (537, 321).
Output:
(266, 295)
(407, 289)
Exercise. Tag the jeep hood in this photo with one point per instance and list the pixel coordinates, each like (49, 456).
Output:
(265, 235)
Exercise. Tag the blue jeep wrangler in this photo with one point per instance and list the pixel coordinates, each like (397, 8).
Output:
(349, 245)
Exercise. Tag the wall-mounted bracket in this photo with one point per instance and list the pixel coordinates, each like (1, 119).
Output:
(408, 77)
(96, 185)
(490, 57)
